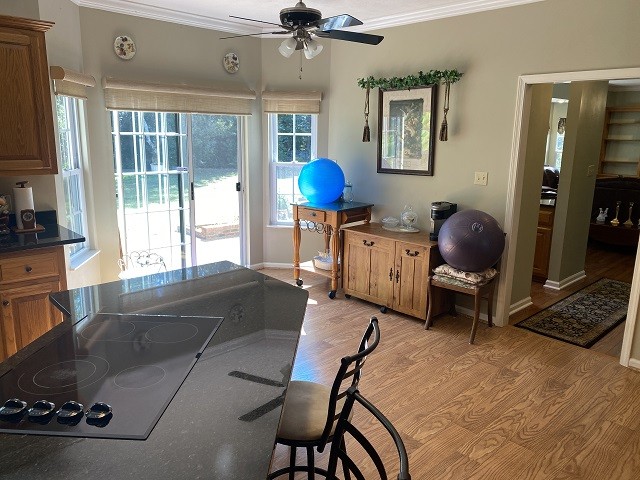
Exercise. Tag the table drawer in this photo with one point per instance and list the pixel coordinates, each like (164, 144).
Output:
(368, 240)
(28, 267)
(318, 216)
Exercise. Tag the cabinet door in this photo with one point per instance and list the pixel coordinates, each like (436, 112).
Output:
(27, 142)
(410, 280)
(368, 262)
(27, 314)
(542, 252)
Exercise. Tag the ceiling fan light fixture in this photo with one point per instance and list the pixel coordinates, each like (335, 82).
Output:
(312, 48)
(287, 47)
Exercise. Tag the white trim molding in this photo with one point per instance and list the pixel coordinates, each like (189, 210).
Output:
(521, 305)
(565, 282)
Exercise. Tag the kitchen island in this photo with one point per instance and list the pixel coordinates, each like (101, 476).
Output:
(222, 422)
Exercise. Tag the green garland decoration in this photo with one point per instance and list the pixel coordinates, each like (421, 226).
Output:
(432, 77)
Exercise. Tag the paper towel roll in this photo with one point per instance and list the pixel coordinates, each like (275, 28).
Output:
(23, 200)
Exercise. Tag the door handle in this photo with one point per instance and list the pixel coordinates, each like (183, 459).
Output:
(397, 276)
(193, 196)
(368, 244)
(391, 274)
(414, 254)
(238, 187)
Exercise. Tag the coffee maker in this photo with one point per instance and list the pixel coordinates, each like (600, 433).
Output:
(440, 211)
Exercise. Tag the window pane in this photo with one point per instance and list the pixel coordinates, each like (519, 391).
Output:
(285, 123)
(149, 122)
(173, 152)
(285, 148)
(128, 153)
(303, 148)
(303, 123)
(65, 150)
(172, 122)
(125, 121)
(151, 153)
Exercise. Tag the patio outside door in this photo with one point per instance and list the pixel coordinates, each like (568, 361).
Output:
(176, 178)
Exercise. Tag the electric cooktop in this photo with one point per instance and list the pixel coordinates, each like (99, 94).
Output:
(109, 376)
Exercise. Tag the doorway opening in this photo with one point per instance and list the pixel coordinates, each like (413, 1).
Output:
(516, 202)
(178, 186)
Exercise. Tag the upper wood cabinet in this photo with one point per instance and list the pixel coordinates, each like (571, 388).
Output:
(27, 137)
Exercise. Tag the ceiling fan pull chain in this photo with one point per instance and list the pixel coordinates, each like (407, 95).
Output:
(300, 76)
(366, 134)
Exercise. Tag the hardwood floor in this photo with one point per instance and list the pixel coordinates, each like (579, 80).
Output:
(515, 405)
(601, 262)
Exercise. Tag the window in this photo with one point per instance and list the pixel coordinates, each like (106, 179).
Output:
(293, 143)
(71, 157)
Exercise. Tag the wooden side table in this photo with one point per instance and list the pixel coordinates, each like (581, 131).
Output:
(327, 220)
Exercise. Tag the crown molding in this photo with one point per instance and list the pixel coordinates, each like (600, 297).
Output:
(444, 11)
(224, 25)
(168, 15)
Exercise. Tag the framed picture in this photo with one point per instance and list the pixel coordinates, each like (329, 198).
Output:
(406, 130)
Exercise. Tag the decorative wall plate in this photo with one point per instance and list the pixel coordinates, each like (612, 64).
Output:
(231, 62)
(124, 47)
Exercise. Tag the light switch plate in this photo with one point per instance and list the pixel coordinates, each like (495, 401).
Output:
(480, 178)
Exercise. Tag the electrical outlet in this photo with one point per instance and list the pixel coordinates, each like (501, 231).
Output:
(591, 169)
(480, 178)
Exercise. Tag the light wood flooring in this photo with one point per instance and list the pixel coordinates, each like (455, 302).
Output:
(515, 405)
(601, 262)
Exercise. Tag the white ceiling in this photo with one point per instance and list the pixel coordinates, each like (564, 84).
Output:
(375, 14)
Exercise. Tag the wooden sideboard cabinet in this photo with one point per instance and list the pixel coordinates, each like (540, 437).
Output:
(27, 136)
(26, 280)
(543, 243)
(391, 269)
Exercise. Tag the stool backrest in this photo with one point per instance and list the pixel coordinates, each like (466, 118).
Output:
(348, 376)
(353, 463)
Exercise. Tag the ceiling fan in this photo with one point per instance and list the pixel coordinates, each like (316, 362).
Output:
(303, 23)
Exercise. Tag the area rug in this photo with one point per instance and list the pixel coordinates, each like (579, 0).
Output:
(584, 317)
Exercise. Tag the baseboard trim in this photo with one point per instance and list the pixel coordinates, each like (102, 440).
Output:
(565, 282)
(634, 363)
(521, 305)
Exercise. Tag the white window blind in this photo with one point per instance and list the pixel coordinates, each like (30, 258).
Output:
(70, 83)
(153, 97)
(291, 102)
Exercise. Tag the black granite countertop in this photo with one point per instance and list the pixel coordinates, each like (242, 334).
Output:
(200, 434)
(53, 235)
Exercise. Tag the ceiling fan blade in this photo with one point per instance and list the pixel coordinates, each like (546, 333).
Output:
(339, 21)
(351, 36)
(261, 21)
(246, 35)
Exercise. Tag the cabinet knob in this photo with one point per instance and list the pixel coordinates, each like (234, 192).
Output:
(28, 269)
(368, 244)
(313, 214)
(391, 274)
(397, 276)
(414, 254)
(5, 303)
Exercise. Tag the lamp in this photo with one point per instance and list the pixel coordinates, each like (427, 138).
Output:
(288, 46)
(311, 48)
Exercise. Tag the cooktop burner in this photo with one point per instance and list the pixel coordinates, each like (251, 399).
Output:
(109, 376)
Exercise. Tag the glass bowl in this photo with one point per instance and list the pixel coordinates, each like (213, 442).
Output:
(390, 222)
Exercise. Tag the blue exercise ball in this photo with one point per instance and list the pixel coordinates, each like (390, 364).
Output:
(321, 181)
(471, 240)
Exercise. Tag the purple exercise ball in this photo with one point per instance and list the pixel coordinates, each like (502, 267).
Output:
(471, 241)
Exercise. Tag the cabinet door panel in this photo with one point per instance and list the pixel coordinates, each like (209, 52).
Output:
(381, 286)
(27, 142)
(27, 314)
(410, 291)
(358, 261)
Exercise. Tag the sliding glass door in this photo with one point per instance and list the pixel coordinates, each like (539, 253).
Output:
(176, 179)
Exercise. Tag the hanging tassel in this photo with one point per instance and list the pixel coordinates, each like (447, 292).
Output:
(444, 128)
(366, 134)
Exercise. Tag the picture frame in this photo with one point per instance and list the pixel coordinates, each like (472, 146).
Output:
(407, 130)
